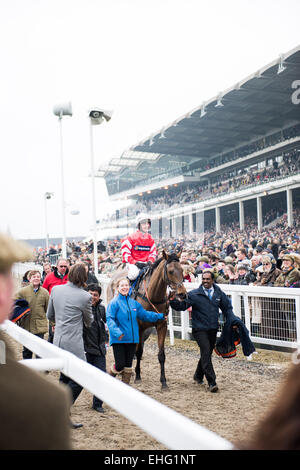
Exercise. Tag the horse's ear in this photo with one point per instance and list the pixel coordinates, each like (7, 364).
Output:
(179, 253)
(165, 255)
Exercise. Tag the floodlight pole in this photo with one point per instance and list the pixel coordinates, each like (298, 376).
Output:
(60, 111)
(63, 204)
(47, 196)
(46, 225)
(95, 235)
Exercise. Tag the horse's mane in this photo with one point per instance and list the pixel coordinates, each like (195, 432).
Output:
(171, 257)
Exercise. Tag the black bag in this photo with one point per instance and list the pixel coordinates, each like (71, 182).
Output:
(20, 311)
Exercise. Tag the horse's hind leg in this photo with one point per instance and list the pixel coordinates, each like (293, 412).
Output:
(139, 354)
(161, 334)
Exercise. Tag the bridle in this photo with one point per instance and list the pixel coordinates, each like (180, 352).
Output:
(171, 284)
(167, 280)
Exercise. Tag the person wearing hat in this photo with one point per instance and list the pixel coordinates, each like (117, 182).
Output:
(34, 413)
(269, 272)
(245, 276)
(138, 249)
(203, 263)
(289, 274)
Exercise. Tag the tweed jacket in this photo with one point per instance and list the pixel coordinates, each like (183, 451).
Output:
(36, 321)
(69, 307)
(34, 413)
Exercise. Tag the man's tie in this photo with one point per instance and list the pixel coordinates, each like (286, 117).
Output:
(209, 293)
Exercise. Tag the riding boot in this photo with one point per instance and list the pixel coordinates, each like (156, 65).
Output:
(114, 372)
(126, 375)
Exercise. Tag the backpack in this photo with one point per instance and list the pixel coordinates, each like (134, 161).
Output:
(20, 311)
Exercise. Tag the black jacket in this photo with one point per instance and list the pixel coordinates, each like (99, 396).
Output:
(244, 280)
(230, 338)
(92, 279)
(96, 336)
(205, 312)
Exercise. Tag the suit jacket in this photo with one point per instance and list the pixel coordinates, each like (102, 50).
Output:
(205, 311)
(34, 413)
(69, 307)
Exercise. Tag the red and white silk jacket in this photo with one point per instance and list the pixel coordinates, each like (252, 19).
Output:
(138, 246)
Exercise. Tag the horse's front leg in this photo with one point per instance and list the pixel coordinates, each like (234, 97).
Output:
(139, 354)
(161, 334)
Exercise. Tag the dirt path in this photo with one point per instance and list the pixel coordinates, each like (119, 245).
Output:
(246, 390)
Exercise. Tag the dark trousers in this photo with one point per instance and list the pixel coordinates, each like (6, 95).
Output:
(96, 361)
(100, 363)
(27, 354)
(206, 340)
(74, 386)
(123, 354)
(50, 335)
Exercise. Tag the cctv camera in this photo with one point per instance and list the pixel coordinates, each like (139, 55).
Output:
(97, 115)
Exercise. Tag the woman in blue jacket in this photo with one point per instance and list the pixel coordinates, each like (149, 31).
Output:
(121, 317)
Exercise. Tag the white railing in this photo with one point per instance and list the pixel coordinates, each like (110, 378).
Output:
(167, 426)
(271, 314)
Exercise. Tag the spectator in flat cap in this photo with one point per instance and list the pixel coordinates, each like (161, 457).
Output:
(289, 275)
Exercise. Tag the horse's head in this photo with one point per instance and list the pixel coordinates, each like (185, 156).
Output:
(173, 274)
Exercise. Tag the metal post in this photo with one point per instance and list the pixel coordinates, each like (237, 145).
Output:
(218, 220)
(94, 202)
(241, 215)
(63, 204)
(289, 201)
(259, 213)
(46, 225)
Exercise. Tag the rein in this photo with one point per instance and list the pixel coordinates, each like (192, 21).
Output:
(169, 283)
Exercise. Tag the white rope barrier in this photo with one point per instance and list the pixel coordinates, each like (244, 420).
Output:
(164, 424)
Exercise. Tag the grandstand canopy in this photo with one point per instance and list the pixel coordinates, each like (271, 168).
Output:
(257, 106)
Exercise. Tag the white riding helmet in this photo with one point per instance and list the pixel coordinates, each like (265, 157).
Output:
(140, 217)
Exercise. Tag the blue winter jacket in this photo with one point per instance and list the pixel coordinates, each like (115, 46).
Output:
(121, 318)
(205, 312)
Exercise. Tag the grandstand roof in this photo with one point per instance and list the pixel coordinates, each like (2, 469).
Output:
(257, 106)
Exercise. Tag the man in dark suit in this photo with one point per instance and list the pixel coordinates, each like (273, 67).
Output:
(34, 413)
(206, 301)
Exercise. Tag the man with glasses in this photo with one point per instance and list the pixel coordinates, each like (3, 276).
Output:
(57, 277)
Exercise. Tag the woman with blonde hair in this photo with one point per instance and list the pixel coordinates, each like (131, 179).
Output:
(121, 317)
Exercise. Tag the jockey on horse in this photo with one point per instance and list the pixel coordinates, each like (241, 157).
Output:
(138, 249)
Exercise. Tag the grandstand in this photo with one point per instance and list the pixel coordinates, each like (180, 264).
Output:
(236, 154)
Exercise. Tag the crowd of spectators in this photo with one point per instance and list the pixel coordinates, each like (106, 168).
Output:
(226, 182)
(217, 251)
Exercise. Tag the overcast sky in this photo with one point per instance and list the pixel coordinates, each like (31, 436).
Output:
(149, 61)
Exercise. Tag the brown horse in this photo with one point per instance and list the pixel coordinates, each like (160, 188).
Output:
(165, 273)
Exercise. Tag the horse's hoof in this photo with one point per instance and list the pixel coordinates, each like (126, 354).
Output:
(137, 380)
(164, 387)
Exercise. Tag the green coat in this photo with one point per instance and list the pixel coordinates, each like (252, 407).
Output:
(34, 413)
(291, 276)
(36, 322)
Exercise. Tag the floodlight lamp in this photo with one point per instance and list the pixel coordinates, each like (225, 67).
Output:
(64, 109)
(98, 115)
